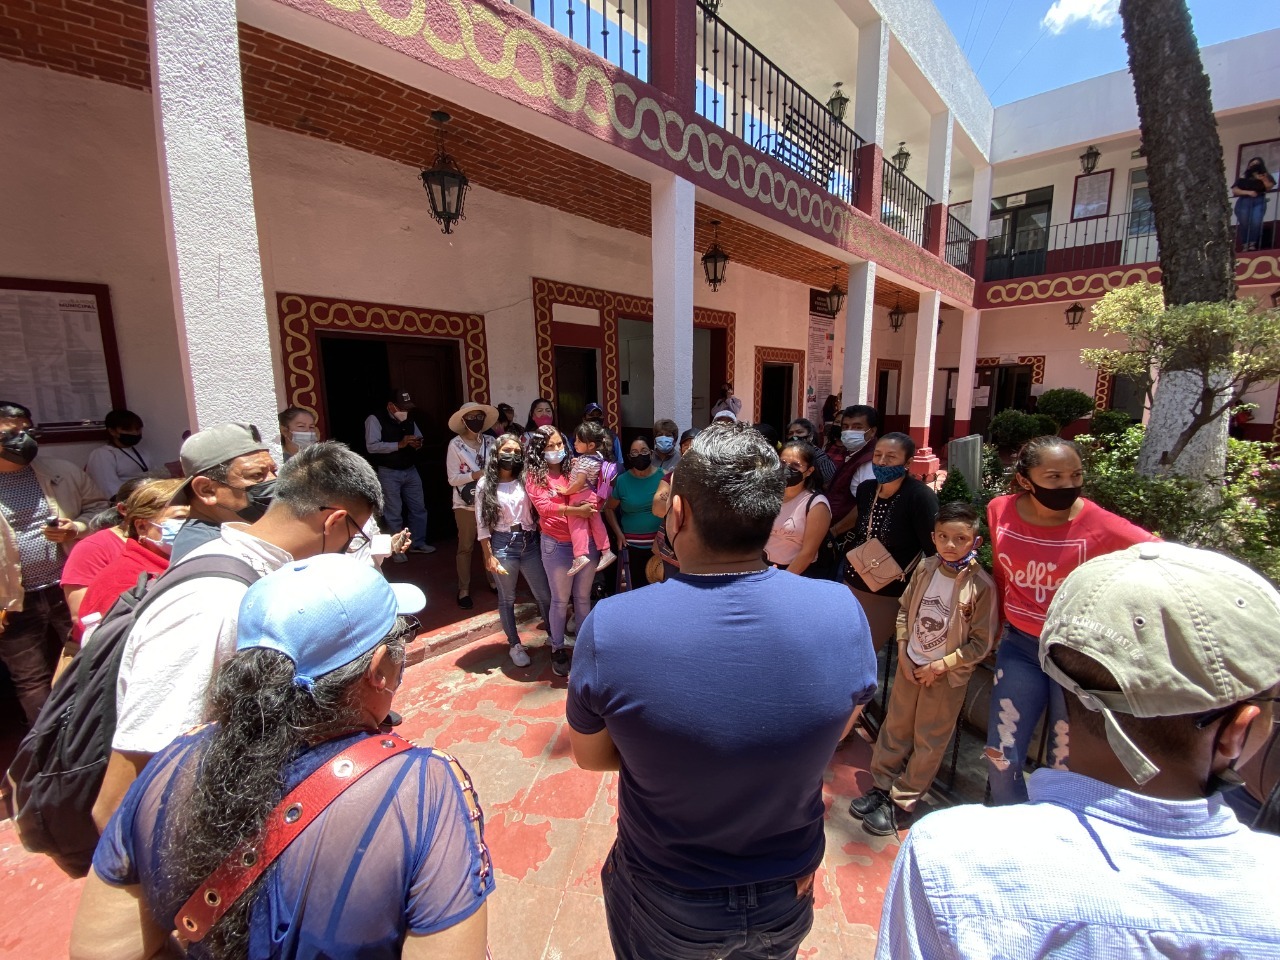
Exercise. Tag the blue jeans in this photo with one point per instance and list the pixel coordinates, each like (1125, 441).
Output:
(1021, 692)
(30, 643)
(518, 553)
(403, 502)
(649, 920)
(1250, 212)
(556, 557)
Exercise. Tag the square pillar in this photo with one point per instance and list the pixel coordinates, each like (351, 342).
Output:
(970, 327)
(871, 92)
(924, 359)
(859, 313)
(672, 207)
(870, 180)
(980, 207)
(673, 50)
(212, 233)
(935, 228)
(938, 179)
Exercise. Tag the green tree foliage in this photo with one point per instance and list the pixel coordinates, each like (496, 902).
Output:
(1064, 404)
(1010, 429)
(955, 487)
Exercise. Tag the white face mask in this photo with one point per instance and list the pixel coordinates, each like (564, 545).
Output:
(304, 438)
(553, 456)
(401, 415)
(853, 439)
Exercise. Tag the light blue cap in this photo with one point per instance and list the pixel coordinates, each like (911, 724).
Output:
(323, 613)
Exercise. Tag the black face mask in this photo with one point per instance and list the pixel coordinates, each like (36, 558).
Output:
(19, 448)
(794, 477)
(511, 461)
(129, 439)
(260, 496)
(1054, 498)
(641, 462)
(474, 423)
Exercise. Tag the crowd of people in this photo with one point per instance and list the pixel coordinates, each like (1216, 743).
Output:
(261, 666)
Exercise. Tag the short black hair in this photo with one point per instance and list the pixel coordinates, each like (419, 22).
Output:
(690, 434)
(122, 420)
(327, 474)
(957, 511)
(862, 410)
(809, 454)
(731, 479)
(808, 426)
(902, 440)
(591, 431)
(13, 411)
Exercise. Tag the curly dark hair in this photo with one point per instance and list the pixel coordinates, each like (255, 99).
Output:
(489, 495)
(535, 467)
(264, 720)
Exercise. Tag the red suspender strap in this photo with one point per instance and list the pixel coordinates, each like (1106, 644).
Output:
(291, 816)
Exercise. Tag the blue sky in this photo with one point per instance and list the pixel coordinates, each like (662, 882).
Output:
(1023, 47)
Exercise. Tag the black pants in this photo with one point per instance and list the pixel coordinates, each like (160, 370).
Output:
(30, 644)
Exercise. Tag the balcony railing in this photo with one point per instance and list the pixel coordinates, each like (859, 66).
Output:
(903, 205)
(616, 30)
(959, 248)
(1069, 247)
(744, 92)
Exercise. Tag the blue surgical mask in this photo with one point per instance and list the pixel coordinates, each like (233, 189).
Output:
(169, 530)
(553, 456)
(853, 439)
(886, 474)
(664, 444)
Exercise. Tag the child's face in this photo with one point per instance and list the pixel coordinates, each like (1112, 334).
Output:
(954, 540)
(583, 446)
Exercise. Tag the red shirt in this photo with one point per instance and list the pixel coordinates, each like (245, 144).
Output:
(119, 575)
(89, 556)
(1031, 561)
(547, 502)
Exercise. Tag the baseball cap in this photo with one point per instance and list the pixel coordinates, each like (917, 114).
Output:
(323, 613)
(592, 408)
(207, 449)
(1183, 632)
(725, 415)
(401, 399)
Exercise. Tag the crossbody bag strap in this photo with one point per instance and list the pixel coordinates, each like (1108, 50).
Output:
(285, 823)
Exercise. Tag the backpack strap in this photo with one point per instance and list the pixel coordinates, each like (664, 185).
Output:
(301, 805)
(206, 565)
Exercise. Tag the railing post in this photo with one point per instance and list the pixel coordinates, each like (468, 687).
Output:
(673, 50)
(870, 180)
(935, 228)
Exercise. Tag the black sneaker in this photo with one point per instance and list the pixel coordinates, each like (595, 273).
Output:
(560, 662)
(863, 805)
(882, 821)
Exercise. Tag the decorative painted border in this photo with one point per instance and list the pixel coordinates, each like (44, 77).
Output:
(612, 305)
(1036, 363)
(495, 46)
(303, 316)
(1262, 268)
(779, 355)
(1102, 391)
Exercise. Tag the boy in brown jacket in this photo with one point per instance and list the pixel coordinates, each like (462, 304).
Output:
(946, 626)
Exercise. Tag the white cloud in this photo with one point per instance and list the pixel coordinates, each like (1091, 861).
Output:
(1097, 13)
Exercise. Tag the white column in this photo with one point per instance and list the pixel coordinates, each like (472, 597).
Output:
(969, 329)
(938, 180)
(980, 209)
(859, 312)
(871, 93)
(672, 205)
(214, 263)
(923, 362)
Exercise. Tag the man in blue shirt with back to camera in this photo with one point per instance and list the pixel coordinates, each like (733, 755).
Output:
(1171, 659)
(721, 723)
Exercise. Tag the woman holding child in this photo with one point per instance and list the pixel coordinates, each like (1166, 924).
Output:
(1039, 534)
(545, 477)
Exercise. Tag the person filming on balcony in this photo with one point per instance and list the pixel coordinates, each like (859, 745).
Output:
(1251, 192)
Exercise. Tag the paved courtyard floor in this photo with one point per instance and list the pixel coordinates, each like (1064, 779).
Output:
(548, 823)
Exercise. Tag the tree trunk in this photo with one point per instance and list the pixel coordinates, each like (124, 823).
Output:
(1188, 183)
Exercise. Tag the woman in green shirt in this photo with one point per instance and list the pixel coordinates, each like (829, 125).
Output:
(630, 508)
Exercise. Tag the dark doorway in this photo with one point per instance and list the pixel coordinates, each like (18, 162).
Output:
(1005, 388)
(882, 392)
(777, 394)
(1018, 238)
(577, 383)
(1128, 396)
(949, 408)
(358, 373)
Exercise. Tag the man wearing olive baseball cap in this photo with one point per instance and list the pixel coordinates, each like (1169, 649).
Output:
(1170, 657)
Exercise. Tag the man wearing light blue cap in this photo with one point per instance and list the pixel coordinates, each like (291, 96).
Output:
(395, 866)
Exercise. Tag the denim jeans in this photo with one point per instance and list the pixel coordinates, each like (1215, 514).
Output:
(30, 643)
(1250, 212)
(518, 553)
(649, 920)
(557, 555)
(1021, 692)
(403, 505)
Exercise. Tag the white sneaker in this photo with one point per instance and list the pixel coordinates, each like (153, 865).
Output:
(519, 655)
(578, 564)
(606, 558)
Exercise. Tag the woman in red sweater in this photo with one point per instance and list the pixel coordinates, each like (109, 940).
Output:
(1039, 534)
(148, 541)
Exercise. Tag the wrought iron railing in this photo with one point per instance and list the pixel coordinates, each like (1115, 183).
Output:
(617, 30)
(744, 92)
(959, 247)
(1120, 239)
(903, 205)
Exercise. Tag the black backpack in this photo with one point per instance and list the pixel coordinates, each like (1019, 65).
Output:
(61, 762)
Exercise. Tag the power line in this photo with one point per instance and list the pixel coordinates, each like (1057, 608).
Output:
(995, 36)
(1019, 63)
(973, 8)
(981, 17)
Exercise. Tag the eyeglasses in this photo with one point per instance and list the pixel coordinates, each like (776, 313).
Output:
(405, 629)
(359, 539)
(1213, 716)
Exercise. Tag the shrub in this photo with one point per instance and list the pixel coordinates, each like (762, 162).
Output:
(955, 487)
(1046, 425)
(1064, 404)
(1010, 429)
(1109, 425)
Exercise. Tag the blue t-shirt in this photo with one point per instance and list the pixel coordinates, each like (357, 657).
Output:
(396, 853)
(725, 718)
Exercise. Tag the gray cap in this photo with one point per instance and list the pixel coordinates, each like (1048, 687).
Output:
(1182, 631)
(207, 449)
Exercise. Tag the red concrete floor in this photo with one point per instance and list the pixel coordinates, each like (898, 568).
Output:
(548, 823)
